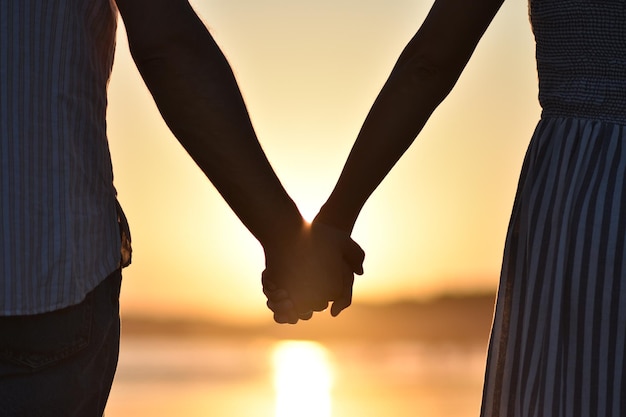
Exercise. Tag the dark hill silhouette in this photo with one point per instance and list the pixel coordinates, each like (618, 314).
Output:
(447, 319)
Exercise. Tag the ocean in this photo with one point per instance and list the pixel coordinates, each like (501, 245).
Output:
(190, 376)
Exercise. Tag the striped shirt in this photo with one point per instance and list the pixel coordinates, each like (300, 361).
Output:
(59, 232)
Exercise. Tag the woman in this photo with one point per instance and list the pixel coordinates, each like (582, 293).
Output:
(558, 340)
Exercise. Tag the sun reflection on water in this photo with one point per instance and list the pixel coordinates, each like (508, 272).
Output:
(302, 379)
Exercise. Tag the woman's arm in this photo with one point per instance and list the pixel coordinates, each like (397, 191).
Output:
(423, 76)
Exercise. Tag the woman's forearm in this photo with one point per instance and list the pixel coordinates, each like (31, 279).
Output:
(425, 73)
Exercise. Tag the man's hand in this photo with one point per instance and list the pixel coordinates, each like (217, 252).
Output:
(308, 271)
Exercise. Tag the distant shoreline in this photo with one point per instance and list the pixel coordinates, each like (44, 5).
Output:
(459, 319)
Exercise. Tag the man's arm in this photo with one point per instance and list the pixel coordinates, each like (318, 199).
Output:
(423, 76)
(198, 97)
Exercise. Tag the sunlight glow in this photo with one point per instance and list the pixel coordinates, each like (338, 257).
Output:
(308, 212)
(302, 379)
(435, 225)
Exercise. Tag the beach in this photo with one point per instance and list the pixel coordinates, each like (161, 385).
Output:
(245, 373)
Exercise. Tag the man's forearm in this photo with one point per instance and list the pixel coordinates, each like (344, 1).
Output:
(198, 97)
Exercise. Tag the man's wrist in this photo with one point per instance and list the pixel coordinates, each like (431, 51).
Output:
(283, 229)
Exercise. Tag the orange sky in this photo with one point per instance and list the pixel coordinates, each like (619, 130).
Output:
(309, 71)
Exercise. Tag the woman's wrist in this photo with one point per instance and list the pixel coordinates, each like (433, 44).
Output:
(332, 215)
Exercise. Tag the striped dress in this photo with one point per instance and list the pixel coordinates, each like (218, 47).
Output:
(558, 343)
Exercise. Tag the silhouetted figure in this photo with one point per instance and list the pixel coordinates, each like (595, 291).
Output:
(558, 344)
(63, 236)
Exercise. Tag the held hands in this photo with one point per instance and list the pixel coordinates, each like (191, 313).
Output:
(309, 270)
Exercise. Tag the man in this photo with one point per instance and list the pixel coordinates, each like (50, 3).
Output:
(63, 236)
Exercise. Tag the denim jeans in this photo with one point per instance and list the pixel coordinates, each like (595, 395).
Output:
(61, 364)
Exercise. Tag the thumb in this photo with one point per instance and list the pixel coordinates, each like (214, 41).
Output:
(354, 256)
(344, 301)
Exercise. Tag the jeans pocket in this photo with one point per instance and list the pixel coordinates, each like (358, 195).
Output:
(37, 341)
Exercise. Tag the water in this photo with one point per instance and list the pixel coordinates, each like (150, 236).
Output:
(159, 377)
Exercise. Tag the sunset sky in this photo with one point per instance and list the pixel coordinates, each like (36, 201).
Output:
(309, 72)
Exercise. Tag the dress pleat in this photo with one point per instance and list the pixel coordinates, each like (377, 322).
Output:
(558, 342)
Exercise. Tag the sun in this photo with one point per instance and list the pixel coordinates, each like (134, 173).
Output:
(308, 211)
(302, 379)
